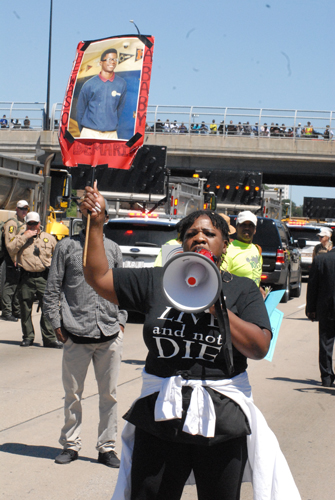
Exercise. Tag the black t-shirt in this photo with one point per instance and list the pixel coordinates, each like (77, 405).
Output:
(180, 343)
(188, 345)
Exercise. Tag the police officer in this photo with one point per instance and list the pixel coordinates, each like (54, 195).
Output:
(35, 249)
(10, 301)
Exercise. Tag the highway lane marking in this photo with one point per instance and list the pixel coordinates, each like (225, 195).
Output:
(294, 312)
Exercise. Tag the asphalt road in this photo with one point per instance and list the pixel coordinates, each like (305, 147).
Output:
(287, 390)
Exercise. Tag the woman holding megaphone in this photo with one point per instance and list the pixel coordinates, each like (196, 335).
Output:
(195, 418)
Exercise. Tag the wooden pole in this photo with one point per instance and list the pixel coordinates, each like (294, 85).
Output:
(94, 185)
(86, 238)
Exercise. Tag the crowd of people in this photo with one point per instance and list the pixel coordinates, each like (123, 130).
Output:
(14, 123)
(168, 434)
(246, 129)
(231, 128)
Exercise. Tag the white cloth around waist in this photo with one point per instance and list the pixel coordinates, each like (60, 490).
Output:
(266, 467)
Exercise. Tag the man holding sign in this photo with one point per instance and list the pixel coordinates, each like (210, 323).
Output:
(101, 100)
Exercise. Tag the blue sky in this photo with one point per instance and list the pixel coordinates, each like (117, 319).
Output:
(246, 53)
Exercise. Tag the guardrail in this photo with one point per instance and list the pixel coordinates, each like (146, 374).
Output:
(27, 115)
(252, 122)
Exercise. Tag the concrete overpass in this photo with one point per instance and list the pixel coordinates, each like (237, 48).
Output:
(281, 160)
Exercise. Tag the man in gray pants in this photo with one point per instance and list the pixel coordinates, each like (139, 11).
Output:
(91, 329)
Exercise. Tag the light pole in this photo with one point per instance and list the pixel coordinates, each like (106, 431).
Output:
(286, 210)
(280, 203)
(47, 111)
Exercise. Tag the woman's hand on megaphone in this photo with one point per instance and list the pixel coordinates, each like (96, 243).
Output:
(212, 310)
(94, 204)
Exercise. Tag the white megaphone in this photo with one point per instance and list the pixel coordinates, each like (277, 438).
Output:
(191, 282)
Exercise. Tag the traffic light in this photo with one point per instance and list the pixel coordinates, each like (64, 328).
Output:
(319, 208)
(234, 187)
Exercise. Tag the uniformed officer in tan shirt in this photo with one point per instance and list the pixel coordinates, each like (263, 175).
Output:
(34, 249)
(10, 300)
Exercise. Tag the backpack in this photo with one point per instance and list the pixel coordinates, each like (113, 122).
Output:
(3, 250)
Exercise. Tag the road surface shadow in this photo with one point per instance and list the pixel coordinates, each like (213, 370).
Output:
(133, 362)
(297, 319)
(319, 388)
(296, 380)
(29, 450)
(18, 342)
(327, 390)
(11, 342)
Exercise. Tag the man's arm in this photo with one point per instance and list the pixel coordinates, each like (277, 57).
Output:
(312, 289)
(9, 233)
(51, 300)
(258, 274)
(122, 101)
(122, 315)
(81, 107)
(14, 242)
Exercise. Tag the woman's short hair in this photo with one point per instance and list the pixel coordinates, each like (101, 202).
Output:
(215, 218)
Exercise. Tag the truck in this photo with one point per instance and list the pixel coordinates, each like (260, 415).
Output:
(47, 191)
(150, 186)
(147, 201)
(271, 208)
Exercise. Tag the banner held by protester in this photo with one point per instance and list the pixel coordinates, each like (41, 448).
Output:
(105, 106)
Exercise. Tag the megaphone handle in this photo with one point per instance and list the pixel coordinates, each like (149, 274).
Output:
(223, 321)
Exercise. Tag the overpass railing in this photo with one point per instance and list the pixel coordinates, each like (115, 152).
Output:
(252, 122)
(27, 115)
(260, 122)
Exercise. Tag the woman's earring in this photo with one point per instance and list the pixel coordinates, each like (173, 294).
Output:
(223, 263)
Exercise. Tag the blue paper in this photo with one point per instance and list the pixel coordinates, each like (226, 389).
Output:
(276, 317)
(275, 322)
(272, 300)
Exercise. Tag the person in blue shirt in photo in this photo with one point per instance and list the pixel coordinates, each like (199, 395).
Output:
(101, 100)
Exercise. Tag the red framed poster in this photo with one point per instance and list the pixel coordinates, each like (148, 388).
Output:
(105, 106)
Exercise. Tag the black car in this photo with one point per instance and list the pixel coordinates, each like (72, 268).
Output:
(281, 256)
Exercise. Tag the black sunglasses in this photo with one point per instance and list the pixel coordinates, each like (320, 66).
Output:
(32, 223)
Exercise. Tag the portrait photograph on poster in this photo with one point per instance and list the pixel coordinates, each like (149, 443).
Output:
(105, 97)
(104, 110)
